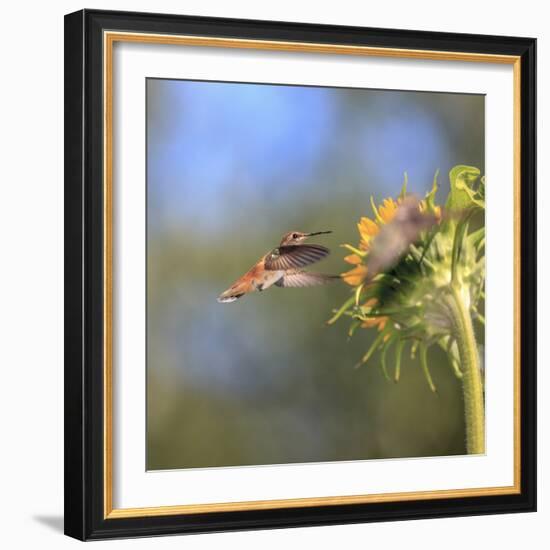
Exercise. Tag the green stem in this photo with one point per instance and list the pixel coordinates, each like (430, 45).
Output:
(472, 386)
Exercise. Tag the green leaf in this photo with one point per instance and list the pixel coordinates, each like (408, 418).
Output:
(478, 315)
(428, 243)
(375, 210)
(353, 327)
(403, 193)
(360, 253)
(374, 312)
(481, 189)
(383, 360)
(476, 236)
(462, 196)
(345, 306)
(372, 349)
(450, 346)
(430, 197)
(398, 352)
(424, 365)
(481, 245)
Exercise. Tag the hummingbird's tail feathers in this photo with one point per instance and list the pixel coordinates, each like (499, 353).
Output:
(234, 292)
(228, 298)
(302, 279)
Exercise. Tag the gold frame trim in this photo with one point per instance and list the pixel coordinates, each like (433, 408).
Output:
(109, 39)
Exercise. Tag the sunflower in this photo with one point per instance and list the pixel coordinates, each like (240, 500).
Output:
(428, 294)
(368, 230)
(406, 302)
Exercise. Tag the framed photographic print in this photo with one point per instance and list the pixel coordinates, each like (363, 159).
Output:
(300, 274)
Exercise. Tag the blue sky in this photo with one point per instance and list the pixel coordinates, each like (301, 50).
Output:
(213, 143)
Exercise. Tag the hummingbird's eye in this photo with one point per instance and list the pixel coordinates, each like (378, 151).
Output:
(295, 235)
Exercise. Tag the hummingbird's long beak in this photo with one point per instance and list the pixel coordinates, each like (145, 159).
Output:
(317, 233)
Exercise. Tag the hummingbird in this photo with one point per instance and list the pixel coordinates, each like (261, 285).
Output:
(282, 267)
(395, 237)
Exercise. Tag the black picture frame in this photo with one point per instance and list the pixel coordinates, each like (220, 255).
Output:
(84, 281)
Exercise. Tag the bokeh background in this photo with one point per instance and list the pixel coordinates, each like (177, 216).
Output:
(264, 380)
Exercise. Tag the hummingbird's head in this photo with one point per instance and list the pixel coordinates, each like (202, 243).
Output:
(296, 237)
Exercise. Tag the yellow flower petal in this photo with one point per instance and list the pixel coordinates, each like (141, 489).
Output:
(379, 322)
(353, 259)
(367, 229)
(387, 210)
(369, 323)
(356, 276)
(363, 245)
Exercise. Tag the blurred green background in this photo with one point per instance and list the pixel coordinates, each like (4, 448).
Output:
(230, 168)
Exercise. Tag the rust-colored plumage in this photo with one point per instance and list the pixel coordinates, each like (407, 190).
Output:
(283, 267)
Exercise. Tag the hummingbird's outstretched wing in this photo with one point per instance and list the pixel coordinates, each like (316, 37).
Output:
(395, 237)
(294, 256)
(301, 279)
